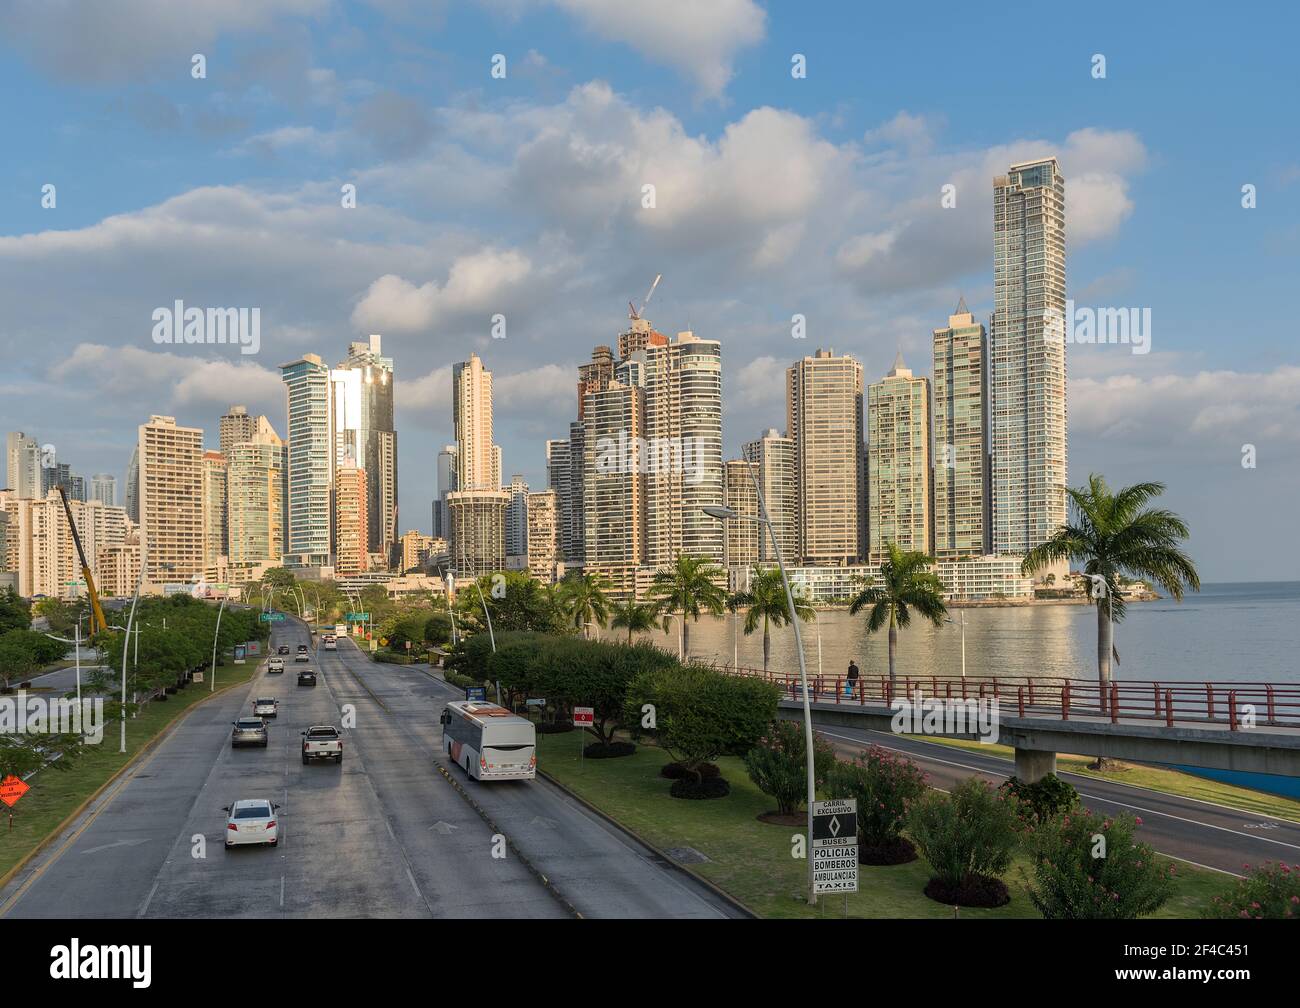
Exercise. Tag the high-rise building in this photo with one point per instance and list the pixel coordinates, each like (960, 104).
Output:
(595, 376)
(614, 481)
(103, 488)
(1028, 439)
(311, 461)
(171, 500)
(57, 475)
(215, 524)
(683, 431)
(961, 526)
(557, 479)
(258, 502)
(477, 542)
(517, 518)
(478, 465)
(363, 429)
(132, 500)
(742, 534)
(350, 553)
(543, 536)
(44, 555)
(446, 484)
(235, 427)
(575, 552)
(23, 465)
(416, 547)
(119, 568)
(772, 458)
(639, 335)
(824, 419)
(898, 460)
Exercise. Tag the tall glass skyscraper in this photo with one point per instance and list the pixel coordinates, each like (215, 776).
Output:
(1027, 373)
(362, 404)
(961, 527)
(311, 463)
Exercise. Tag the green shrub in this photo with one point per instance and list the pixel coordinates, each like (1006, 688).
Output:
(1090, 867)
(1044, 799)
(885, 785)
(970, 832)
(778, 766)
(1270, 892)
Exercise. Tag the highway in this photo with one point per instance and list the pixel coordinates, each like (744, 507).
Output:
(384, 835)
(1201, 833)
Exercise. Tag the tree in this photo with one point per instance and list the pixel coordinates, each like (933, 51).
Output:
(968, 838)
(17, 657)
(1269, 892)
(1113, 534)
(582, 600)
(24, 754)
(279, 578)
(778, 765)
(906, 584)
(885, 786)
(15, 611)
(635, 617)
(767, 603)
(686, 589)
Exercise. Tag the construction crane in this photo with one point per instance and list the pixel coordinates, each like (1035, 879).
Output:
(97, 621)
(635, 313)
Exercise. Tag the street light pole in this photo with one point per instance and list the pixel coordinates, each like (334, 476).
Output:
(725, 513)
(216, 633)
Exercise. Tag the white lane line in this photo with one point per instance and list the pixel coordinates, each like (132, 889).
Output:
(281, 892)
(1095, 797)
(149, 899)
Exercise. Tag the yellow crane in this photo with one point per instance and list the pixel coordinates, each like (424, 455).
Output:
(97, 621)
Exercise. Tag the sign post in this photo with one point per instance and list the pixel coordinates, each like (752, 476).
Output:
(835, 846)
(11, 789)
(583, 717)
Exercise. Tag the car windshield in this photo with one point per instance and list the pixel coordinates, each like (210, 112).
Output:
(253, 812)
(257, 723)
(265, 700)
(322, 733)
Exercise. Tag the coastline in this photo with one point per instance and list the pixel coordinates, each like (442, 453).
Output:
(1008, 603)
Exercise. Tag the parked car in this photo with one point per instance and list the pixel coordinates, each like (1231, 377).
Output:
(322, 742)
(265, 706)
(249, 731)
(306, 677)
(251, 821)
(274, 665)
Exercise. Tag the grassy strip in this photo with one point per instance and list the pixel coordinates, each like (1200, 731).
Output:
(1173, 782)
(55, 794)
(751, 859)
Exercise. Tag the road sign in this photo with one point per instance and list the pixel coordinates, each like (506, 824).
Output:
(535, 702)
(196, 677)
(584, 717)
(476, 693)
(272, 617)
(835, 845)
(11, 789)
(358, 617)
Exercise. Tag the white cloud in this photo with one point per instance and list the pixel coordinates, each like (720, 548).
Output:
(476, 283)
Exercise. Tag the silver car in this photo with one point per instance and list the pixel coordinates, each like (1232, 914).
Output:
(265, 707)
(249, 731)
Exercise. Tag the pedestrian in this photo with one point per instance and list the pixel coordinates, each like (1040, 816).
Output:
(852, 681)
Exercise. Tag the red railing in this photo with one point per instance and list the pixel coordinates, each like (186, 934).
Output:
(1234, 705)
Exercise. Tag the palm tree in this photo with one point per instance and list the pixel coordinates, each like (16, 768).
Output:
(1113, 534)
(582, 597)
(635, 617)
(906, 583)
(766, 602)
(687, 588)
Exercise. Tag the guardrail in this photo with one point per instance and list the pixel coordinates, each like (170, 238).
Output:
(1234, 704)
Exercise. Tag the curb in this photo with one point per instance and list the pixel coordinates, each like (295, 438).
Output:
(138, 755)
(722, 894)
(547, 884)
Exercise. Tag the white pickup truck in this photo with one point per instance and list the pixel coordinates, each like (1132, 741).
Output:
(322, 742)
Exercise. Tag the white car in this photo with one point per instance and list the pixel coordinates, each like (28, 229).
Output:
(266, 706)
(275, 665)
(251, 821)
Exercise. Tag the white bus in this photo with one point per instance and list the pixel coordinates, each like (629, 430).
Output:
(489, 741)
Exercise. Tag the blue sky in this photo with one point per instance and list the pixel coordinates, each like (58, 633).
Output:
(775, 196)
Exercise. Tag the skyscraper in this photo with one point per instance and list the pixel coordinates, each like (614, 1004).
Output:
(824, 419)
(898, 460)
(235, 427)
(1027, 360)
(614, 484)
(543, 536)
(477, 464)
(362, 409)
(446, 477)
(257, 480)
(311, 461)
(772, 458)
(132, 499)
(961, 526)
(171, 500)
(103, 488)
(23, 465)
(478, 519)
(683, 430)
(215, 522)
(517, 518)
(743, 534)
(351, 552)
(557, 479)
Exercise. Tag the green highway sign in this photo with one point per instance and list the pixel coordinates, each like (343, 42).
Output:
(272, 617)
(358, 617)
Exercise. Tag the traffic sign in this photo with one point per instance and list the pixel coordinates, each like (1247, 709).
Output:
(835, 845)
(358, 617)
(476, 693)
(584, 717)
(535, 702)
(11, 789)
(196, 677)
(272, 617)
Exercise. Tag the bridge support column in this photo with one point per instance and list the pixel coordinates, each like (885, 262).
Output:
(1032, 765)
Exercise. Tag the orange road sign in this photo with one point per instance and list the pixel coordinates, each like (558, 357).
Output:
(11, 789)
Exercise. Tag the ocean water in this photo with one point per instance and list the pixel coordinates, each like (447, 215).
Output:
(1230, 631)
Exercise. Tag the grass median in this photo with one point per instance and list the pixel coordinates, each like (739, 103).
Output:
(751, 859)
(56, 794)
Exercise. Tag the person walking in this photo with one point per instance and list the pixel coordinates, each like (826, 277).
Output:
(851, 682)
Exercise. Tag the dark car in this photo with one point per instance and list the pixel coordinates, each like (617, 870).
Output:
(283, 649)
(306, 677)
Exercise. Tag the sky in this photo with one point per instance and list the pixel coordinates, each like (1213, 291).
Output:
(776, 194)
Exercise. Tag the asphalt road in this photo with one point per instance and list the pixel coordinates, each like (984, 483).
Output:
(384, 835)
(1201, 833)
